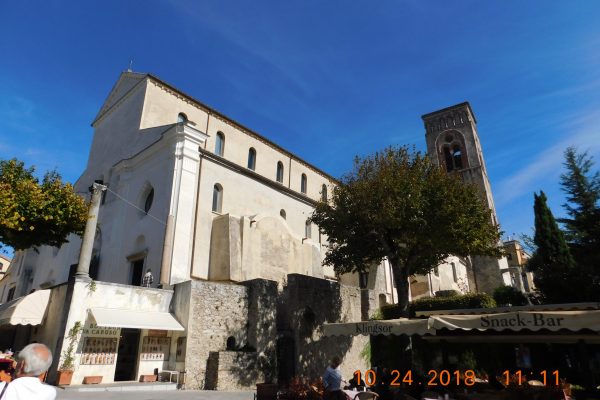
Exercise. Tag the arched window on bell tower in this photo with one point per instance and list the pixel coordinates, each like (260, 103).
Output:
(452, 152)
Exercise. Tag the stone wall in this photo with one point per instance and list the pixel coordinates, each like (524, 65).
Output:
(232, 370)
(217, 311)
(305, 305)
(262, 327)
(275, 330)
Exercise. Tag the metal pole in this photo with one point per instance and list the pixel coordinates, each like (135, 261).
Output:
(87, 242)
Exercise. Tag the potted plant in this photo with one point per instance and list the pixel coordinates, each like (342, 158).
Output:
(65, 370)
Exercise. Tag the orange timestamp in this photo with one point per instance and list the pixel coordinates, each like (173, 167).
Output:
(548, 378)
(456, 377)
(436, 378)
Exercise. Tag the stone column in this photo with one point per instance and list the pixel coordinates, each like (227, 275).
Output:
(87, 242)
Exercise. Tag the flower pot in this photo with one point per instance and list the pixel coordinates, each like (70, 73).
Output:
(64, 377)
(148, 378)
(92, 380)
(266, 391)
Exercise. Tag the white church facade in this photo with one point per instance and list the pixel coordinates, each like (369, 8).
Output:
(220, 217)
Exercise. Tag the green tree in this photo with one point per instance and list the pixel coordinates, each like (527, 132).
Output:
(34, 213)
(556, 275)
(397, 204)
(582, 188)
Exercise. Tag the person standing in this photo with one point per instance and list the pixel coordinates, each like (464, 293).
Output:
(332, 381)
(33, 362)
(148, 278)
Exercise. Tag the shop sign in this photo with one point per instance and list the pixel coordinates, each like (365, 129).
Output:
(157, 333)
(101, 331)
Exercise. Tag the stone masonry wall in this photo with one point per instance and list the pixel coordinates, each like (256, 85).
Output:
(232, 370)
(305, 305)
(273, 330)
(262, 328)
(217, 311)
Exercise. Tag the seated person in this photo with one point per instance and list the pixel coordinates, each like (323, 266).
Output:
(356, 383)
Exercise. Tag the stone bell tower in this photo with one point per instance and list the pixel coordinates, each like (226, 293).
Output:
(452, 141)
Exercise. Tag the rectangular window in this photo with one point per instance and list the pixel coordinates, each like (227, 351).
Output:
(11, 294)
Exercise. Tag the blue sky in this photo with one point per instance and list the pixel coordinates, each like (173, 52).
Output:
(325, 79)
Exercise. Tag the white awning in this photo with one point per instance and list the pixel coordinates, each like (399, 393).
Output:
(575, 321)
(402, 326)
(26, 310)
(523, 320)
(110, 317)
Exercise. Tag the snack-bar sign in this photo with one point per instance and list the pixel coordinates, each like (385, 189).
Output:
(519, 320)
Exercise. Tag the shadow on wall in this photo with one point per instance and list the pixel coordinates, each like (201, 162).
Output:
(305, 305)
(285, 333)
(255, 360)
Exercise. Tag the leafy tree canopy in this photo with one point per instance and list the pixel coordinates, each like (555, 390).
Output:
(397, 204)
(34, 213)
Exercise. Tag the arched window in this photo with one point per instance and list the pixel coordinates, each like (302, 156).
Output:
(182, 118)
(251, 158)
(453, 156)
(279, 172)
(220, 144)
(282, 213)
(149, 200)
(307, 229)
(217, 201)
(436, 271)
(303, 184)
(324, 192)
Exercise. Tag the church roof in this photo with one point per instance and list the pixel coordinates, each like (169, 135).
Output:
(128, 80)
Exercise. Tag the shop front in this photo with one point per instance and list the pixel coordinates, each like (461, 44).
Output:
(126, 345)
(549, 344)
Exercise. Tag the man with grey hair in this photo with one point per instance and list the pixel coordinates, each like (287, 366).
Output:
(34, 361)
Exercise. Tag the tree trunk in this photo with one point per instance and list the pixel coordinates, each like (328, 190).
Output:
(400, 273)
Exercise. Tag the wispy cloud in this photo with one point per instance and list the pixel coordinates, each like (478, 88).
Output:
(545, 165)
(18, 112)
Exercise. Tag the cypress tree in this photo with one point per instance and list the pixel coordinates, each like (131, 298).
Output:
(556, 275)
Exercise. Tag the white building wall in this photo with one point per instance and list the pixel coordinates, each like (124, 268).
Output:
(242, 196)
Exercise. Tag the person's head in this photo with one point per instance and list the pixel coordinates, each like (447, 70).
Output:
(34, 360)
(335, 362)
